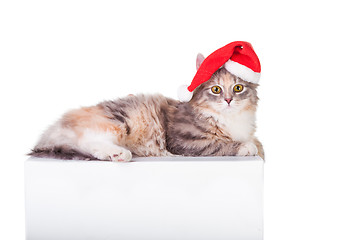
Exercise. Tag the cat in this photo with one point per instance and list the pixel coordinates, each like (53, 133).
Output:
(219, 120)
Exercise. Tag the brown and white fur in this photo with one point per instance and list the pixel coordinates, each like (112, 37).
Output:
(152, 125)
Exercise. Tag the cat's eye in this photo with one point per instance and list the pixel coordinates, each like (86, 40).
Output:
(238, 88)
(216, 89)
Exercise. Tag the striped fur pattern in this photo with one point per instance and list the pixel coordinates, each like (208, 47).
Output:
(153, 125)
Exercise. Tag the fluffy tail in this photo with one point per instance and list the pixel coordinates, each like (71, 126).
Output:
(60, 153)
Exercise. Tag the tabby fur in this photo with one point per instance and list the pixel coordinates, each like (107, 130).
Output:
(154, 125)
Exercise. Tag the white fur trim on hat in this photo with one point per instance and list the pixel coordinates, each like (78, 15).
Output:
(184, 94)
(242, 71)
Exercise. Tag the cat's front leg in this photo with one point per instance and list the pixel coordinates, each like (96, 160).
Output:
(247, 149)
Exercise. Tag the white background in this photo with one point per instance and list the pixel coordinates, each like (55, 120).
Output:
(58, 55)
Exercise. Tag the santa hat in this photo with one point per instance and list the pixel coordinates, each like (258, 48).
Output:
(239, 58)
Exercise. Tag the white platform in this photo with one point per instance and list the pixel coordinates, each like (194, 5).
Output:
(208, 198)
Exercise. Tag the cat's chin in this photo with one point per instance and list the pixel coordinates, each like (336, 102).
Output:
(229, 109)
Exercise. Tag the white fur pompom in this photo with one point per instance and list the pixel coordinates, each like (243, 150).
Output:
(184, 94)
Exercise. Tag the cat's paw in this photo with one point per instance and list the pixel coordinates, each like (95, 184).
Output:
(122, 156)
(114, 153)
(247, 149)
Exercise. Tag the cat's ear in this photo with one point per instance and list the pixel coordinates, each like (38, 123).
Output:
(199, 59)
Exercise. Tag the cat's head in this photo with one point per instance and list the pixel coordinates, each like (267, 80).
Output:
(225, 93)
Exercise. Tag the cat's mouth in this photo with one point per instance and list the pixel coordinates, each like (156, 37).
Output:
(228, 107)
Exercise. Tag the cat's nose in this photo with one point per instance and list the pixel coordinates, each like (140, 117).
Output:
(228, 100)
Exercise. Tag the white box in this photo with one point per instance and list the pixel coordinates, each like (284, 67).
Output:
(185, 198)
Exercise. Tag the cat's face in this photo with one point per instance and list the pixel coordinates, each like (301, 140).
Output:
(226, 93)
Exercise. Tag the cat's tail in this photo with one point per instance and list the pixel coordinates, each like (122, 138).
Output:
(60, 152)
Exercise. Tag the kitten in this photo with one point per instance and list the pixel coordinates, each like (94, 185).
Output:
(219, 120)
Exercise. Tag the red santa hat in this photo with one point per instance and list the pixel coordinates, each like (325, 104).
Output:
(239, 58)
